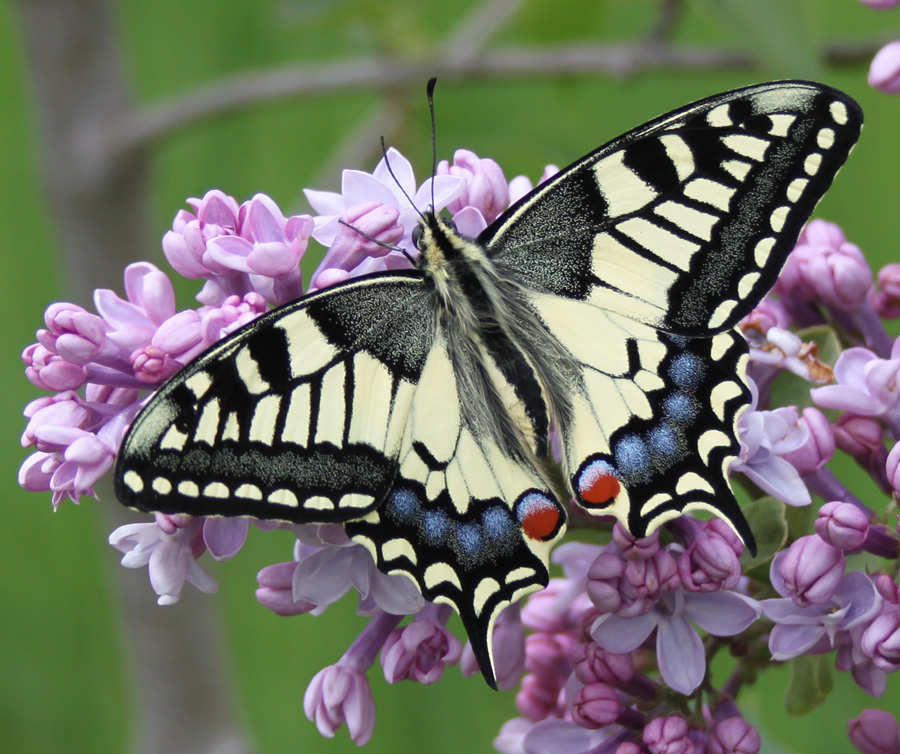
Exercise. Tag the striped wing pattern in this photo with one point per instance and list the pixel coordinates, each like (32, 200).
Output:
(297, 417)
(685, 222)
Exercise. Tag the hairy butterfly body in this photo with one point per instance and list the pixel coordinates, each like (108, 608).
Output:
(415, 407)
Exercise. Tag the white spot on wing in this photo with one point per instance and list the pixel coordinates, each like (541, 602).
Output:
(483, 592)
(745, 145)
(161, 486)
(812, 163)
(173, 439)
(690, 483)
(284, 497)
(839, 112)
(355, 500)
(133, 481)
(737, 168)
(316, 502)
(208, 425)
(216, 489)
(690, 220)
(778, 217)
(720, 395)
(762, 251)
(198, 383)
(825, 138)
(719, 117)
(710, 192)
(188, 488)
(262, 422)
(397, 548)
(624, 191)
(249, 491)
(440, 573)
(795, 188)
(330, 420)
(248, 371)
(678, 151)
(666, 244)
(721, 313)
(746, 284)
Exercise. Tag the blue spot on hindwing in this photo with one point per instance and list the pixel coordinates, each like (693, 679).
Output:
(436, 527)
(679, 408)
(403, 505)
(663, 441)
(632, 456)
(470, 540)
(496, 523)
(687, 371)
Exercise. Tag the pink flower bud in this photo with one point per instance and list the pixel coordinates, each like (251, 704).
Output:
(596, 705)
(881, 640)
(887, 298)
(842, 525)
(812, 570)
(668, 735)
(874, 731)
(881, 4)
(338, 695)
(734, 735)
(709, 564)
(884, 71)
(593, 664)
(819, 446)
(634, 548)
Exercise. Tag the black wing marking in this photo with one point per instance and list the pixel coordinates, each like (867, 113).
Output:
(296, 417)
(685, 222)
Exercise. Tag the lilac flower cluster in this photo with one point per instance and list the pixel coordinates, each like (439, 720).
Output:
(613, 656)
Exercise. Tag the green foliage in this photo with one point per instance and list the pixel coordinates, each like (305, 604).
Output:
(811, 682)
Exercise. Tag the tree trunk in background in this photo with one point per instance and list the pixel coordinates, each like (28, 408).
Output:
(182, 693)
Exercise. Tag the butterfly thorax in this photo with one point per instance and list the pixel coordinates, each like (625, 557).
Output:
(481, 325)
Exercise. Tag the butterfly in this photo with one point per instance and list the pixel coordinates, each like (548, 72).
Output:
(416, 407)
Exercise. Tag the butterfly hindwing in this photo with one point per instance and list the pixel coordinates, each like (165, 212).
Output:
(297, 417)
(685, 222)
(471, 524)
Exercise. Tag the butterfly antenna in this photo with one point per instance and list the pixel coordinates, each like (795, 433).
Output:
(390, 170)
(429, 93)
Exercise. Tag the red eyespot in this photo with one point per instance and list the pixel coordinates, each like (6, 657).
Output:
(540, 522)
(597, 484)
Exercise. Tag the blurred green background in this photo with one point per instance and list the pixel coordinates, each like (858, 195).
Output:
(64, 683)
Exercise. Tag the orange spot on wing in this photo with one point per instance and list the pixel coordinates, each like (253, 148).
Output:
(602, 490)
(541, 522)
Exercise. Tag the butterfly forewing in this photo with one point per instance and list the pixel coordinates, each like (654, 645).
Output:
(296, 417)
(685, 222)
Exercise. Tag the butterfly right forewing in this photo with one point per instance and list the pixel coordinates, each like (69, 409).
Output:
(685, 222)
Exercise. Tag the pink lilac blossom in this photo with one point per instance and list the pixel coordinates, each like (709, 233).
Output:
(598, 656)
(884, 70)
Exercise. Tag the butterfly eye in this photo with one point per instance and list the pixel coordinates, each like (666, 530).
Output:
(450, 224)
(417, 236)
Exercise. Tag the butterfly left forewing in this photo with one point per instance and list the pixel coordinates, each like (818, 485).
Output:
(469, 523)
(298, 416)
(685, 222)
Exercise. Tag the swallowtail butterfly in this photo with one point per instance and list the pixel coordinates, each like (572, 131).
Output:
(416, 406)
